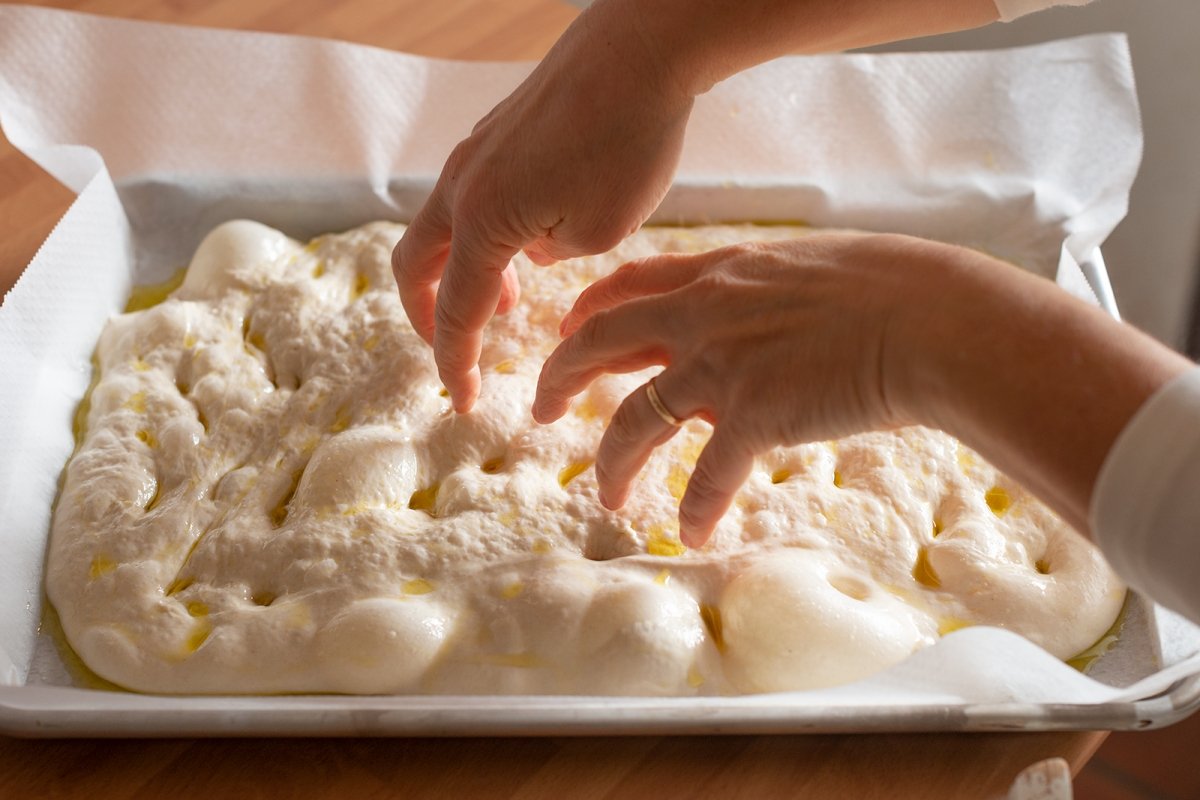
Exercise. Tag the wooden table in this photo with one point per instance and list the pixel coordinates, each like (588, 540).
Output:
(864, 766)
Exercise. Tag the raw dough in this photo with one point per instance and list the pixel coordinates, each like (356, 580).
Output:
(273, 495)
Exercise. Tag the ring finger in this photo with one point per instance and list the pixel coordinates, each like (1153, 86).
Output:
(633, 433)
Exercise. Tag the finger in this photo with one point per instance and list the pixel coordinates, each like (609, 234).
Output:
(624, 339)
(632, 434)
(510, 290)
(646, 276)
(418, 260)
(724, 465)
(467, 296)
(547, 250)
(539, 257)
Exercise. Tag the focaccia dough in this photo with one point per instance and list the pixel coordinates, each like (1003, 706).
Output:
(273, 495)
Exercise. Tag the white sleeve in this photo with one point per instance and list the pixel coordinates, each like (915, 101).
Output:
(1011, 9)
(1145, 512)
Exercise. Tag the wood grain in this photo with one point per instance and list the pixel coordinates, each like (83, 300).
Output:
(862, 766)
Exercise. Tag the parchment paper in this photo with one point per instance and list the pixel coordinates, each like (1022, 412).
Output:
(164, 132)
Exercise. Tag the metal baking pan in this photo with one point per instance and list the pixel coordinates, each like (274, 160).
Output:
(938, 143)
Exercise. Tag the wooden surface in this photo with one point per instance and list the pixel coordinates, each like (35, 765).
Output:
(865, 766)
(768, 767)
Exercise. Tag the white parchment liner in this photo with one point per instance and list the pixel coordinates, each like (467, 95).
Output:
(165, 132)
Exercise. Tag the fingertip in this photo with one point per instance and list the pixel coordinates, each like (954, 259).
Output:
(546, 409)
(613, 502)
(723, 466)
(540, 258)
(463, 389)
(507, 302)
(463, 403)
(510, 290)
(612, 493)
(545, 412)
(692, 535)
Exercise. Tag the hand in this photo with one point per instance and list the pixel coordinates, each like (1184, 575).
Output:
(775, 343)
(786, 342)
(571, 163)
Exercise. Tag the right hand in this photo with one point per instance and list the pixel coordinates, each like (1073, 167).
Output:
(572, 162)
(773, 343)
(780, 343)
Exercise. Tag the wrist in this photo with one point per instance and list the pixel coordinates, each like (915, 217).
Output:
(919, 298)
(935, 340)
(613, 65)
(669, 45)
(1037, 381)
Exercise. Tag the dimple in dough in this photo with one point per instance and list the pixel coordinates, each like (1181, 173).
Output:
(272, 494)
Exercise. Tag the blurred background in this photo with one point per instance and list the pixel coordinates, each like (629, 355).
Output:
(1154, 255)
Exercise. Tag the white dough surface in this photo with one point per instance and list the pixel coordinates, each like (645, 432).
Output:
(272, 494)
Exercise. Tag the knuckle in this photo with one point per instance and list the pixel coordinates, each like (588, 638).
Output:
(630, 274)
(713, 282)
(451, 319)
(594, 238)
(704, 373)
(457, 159)
(453, 362)
(398, 264)
(742, 252)
(590, 333)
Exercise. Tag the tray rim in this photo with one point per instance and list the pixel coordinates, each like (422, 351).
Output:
(544, 715)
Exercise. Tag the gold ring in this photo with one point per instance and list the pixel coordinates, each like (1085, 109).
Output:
(659, 408)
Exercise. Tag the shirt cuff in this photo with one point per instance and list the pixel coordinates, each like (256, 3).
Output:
(1145, 508)
(1011, 9)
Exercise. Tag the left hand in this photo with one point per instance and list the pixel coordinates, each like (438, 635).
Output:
(569, 164)
(773, 343)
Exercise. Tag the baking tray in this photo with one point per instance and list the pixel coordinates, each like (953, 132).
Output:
(165, 206)
(63, 712)
(56, 699)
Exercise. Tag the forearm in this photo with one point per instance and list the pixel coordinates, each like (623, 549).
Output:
(1037, 381)
(701, 42)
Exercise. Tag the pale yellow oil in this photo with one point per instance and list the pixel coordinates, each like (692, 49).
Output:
(1083, 661)
(711, 616)
(78, 672)
(151, 294)
(572, 471)
(425, 500)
